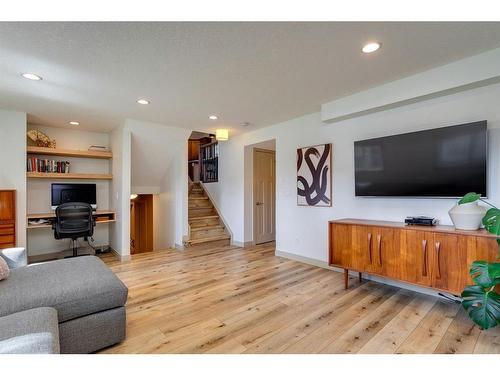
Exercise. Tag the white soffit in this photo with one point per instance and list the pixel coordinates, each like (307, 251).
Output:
(472, 72)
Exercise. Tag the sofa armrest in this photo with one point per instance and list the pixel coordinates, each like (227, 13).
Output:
(15, 257)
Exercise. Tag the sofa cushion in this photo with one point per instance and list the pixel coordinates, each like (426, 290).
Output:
(4, 269)
(34, 331)
(75, 287)
(15, 257)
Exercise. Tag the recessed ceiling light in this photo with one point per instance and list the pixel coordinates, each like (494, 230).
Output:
(142, 101)
(213, 117)
(74, 123)
(244, 124)
(370, 47)
(32, 76)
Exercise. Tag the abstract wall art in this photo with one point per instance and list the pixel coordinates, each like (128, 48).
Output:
(314, 176)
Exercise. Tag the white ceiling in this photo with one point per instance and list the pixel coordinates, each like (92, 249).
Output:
(262, 73)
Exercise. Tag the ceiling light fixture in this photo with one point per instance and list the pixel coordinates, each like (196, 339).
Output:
(213, 117)
(222, 134)
(142, 101)
(133, 196)
(32, 76)
(245, 124)
(74, 123)
(371, 47)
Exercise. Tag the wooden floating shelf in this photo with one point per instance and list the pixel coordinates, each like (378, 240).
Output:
(69, 153)
(72, 176)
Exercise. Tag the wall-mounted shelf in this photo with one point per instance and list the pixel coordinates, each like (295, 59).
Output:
(71, 176)
(70, 153)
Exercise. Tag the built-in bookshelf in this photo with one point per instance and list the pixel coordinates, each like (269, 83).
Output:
(70, 176)
(51, 169)
(209, 156)
(33, 150)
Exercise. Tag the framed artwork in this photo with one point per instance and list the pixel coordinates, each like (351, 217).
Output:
(314, 176)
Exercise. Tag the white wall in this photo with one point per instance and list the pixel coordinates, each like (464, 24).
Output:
(303, 230)
(41, 240)
(159, 166)
(13, 169)
(120, 141)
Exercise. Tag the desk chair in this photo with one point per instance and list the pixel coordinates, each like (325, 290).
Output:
(74, 220)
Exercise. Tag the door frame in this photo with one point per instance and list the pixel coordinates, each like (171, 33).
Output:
(255, 150)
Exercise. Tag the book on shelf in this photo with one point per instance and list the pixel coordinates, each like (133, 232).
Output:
(34, 164)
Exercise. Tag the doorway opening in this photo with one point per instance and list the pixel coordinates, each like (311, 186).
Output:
(202, 157)
(264, 192)
(141, 223)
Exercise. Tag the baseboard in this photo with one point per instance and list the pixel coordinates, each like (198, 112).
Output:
(121, 258)
(322, 264)
(242, 244)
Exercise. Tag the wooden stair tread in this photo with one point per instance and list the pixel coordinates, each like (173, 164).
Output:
(207, 227)
(204, 217)
(198, 198)
(224, 236)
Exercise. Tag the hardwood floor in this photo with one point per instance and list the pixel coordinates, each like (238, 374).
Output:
(233, 300)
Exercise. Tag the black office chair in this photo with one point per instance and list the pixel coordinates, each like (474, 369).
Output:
(74, 220)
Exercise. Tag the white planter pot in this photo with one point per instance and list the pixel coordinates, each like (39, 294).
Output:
(467, 216)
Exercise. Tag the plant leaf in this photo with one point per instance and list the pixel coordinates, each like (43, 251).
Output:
(485, 274)
(491, 221)
(482, 306)
(469, 198)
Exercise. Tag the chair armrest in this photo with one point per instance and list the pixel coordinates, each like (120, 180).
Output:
(15, 257)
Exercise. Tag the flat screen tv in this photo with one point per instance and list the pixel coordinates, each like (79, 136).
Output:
(445, 162)
(65, 193)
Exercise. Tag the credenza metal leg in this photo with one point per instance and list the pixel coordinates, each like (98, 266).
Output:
(360, 277)
(346, 278)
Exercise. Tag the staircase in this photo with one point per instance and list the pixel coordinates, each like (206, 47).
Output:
(205, 225)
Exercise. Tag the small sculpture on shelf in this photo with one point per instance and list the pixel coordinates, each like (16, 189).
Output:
(41, 139)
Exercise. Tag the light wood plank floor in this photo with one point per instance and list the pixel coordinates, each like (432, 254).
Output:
(234, 300)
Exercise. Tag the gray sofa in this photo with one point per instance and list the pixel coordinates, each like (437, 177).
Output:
(73, 305)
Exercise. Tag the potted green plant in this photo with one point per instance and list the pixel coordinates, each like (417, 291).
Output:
(481, 300)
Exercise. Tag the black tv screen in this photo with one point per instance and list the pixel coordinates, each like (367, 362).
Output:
(443, 162)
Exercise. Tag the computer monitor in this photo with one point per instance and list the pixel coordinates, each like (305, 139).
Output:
(64, 193)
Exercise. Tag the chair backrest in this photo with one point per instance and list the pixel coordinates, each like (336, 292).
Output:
(74, 220)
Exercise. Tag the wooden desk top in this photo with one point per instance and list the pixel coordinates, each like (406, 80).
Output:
(50, 215)
(399, 225)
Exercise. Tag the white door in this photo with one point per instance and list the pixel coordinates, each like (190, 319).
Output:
(264, 186)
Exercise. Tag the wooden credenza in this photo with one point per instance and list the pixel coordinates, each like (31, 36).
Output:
(437, 257)
(7, 219)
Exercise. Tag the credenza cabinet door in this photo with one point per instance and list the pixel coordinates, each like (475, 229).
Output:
(341, 245)
(387, 252)
(7, 219)
(416, 257)
(363, 257)
(449, 262)
(7, 206)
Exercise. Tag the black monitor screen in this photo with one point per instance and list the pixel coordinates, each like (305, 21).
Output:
(64, 193)
(443, 162)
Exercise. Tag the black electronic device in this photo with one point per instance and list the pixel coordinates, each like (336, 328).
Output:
(70, 193)
(445, 162)
(420, 220)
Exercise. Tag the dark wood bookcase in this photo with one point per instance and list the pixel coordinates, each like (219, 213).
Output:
(209, 156)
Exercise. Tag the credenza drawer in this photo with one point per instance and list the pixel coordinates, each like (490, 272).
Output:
(7, 239)
(7, 229)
